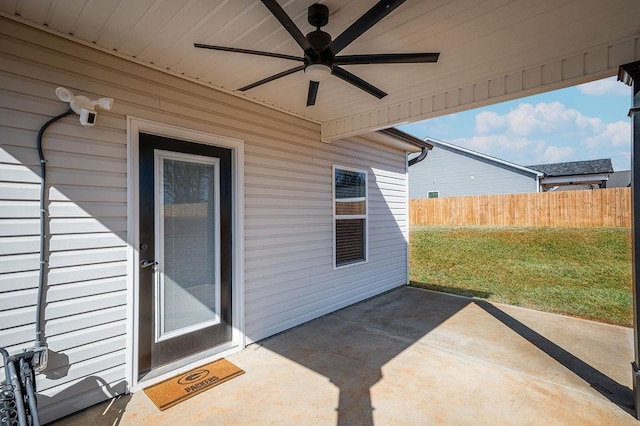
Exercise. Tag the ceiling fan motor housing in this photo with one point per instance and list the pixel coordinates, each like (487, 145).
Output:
(320, 40)
(318, 15)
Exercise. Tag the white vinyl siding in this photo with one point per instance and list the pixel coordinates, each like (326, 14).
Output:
(289, 273)
(289, 233)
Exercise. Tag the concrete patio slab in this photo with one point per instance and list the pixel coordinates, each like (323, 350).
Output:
(414, 357)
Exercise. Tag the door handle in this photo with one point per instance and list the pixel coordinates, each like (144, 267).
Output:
(146, 263)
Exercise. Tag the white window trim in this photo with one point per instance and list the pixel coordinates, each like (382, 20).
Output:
(364, 216)
(135, 126)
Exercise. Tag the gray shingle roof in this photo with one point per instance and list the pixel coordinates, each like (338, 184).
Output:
(572, 168)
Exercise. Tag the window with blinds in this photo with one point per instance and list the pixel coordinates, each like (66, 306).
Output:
(350, 215)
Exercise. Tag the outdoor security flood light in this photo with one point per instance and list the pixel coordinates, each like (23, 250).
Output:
(84, 106)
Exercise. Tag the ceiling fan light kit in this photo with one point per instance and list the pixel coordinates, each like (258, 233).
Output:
(317, 72)
(320, 59)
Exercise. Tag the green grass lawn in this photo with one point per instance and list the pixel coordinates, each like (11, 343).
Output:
(584, 272)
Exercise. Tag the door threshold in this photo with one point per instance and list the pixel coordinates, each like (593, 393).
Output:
(185, 364)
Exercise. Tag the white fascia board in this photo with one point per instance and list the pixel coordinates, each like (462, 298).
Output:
(575, 179)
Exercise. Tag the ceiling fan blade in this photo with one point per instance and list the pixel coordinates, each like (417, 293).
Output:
(366, 21)
(313, 92)
(358, 82)
(290, 26)
(248, 51)
(273, 77)
(387, 58)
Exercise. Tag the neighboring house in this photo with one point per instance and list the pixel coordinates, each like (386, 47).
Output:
(302, 227)
(453, 171)
(620, 179)
(575, 174)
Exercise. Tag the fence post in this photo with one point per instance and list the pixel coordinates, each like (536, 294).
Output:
(630, 74)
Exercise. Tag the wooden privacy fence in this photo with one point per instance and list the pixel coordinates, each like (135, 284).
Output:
(587, 208)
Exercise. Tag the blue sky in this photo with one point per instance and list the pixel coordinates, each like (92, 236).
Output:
(584, 122)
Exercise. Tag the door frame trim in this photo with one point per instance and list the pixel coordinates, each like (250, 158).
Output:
(135, 126)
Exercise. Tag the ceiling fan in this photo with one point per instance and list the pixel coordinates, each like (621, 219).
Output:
(321, 59)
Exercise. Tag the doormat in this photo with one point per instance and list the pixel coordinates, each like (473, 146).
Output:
(173, 391)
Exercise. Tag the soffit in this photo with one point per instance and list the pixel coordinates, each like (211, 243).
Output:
(491, 50)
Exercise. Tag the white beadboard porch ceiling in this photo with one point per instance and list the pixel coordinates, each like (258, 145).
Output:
(491, 50)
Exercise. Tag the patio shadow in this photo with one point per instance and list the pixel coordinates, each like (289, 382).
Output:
(620, 395)
(460, 291)
(378, 330)
(95, 388)
(351, 346)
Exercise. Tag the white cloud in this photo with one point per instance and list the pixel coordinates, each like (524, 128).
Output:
(589, 123)
(613, 134)
(528, 119)
(518, 150)
(487, 121)
(546, 132)
(607, 86)
(552, 117)
(524, 120)
(557, 154)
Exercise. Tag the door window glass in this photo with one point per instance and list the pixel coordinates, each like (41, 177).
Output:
(188, 286)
